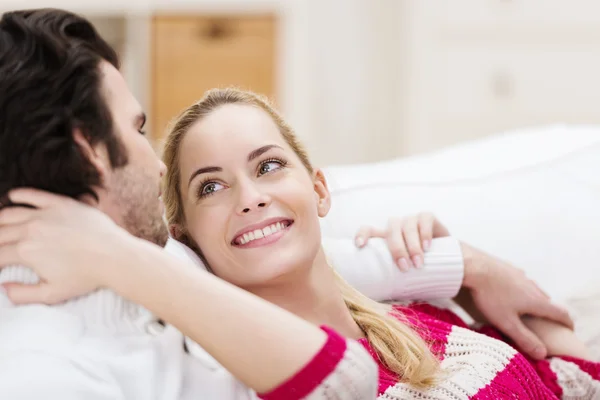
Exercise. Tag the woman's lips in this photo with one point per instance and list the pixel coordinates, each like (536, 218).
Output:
(263, 236)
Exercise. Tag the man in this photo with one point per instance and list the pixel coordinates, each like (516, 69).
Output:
(69, 125)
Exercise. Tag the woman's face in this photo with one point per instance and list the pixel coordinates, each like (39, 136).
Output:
(250, 204)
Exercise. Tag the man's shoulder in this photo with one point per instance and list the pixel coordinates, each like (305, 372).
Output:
(33, 374)
(40, 357)
(38, 327)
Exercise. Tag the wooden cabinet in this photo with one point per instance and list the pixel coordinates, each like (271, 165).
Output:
(191, 54)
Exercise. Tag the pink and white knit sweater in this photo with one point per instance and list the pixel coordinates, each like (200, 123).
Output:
(481, 365)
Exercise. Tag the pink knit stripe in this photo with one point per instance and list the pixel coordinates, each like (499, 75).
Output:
(314, 373)
(548, 376)
(432, 324)
(434, 332)
(517, 380)
(589, 367)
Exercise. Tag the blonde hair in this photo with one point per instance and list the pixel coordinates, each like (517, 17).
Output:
(398, 346)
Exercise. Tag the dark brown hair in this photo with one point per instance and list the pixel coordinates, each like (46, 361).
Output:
(50, 85)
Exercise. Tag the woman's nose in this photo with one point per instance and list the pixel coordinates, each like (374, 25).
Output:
(247, 209)
(252, 199)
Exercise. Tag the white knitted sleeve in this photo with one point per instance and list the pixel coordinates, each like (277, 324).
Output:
(372, 270)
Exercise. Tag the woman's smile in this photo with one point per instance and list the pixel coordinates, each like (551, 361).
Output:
(263, 233)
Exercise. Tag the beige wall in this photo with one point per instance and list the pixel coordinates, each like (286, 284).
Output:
(364, 80)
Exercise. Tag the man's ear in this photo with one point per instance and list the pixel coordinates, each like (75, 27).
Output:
(322, 194)
(96, 155)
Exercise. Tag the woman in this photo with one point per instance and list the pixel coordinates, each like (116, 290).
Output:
(242, 193)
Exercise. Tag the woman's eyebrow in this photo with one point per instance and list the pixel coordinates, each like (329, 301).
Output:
(203, 170)
(261, 150)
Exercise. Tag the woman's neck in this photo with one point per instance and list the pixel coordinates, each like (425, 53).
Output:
(313, 294)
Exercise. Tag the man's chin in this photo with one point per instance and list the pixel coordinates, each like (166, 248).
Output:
(161, 237)
(157, 234)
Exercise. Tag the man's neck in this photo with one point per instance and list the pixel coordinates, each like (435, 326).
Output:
(312, 294)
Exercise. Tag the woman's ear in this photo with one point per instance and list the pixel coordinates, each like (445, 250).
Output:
(322, 194)
(175, 232)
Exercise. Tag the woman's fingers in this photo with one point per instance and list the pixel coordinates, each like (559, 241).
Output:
(412, 240)
(36, 198)
(397, 245)
(21, 293)
(10, 255)
(15, 215)
(407, 239)
(426, 223)
(365, 233)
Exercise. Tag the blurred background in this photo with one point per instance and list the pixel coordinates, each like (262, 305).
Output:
(363, 80)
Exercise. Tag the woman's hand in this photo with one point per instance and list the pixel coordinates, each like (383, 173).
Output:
(407, 238)
(90, 244)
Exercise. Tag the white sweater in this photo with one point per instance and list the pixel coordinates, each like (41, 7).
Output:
(102, 347)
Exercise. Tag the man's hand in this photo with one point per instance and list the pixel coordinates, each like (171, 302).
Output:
(502, 294)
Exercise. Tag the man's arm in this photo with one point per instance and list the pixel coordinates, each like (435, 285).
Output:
(492, 290)
(496, 292)
(372, 270)
(34, 375)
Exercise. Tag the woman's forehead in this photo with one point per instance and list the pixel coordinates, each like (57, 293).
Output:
(235, 121)
(231, 130)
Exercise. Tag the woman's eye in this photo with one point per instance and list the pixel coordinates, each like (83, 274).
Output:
(210, 188)
(269, 166)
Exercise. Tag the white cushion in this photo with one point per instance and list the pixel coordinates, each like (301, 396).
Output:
(531, 197)
(182, 251)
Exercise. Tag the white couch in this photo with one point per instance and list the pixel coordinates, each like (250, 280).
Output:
(531, 197)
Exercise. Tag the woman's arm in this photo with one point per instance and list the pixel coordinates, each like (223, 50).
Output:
(75, 249)
(261, 344)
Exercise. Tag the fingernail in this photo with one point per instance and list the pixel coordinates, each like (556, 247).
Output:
(539, 353)
(403, 264)
(426, 245)
(360, 241)
(418, 261)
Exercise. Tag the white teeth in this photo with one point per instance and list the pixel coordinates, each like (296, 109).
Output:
(261, 233)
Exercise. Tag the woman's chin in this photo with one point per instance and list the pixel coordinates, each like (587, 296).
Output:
(275, 268)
